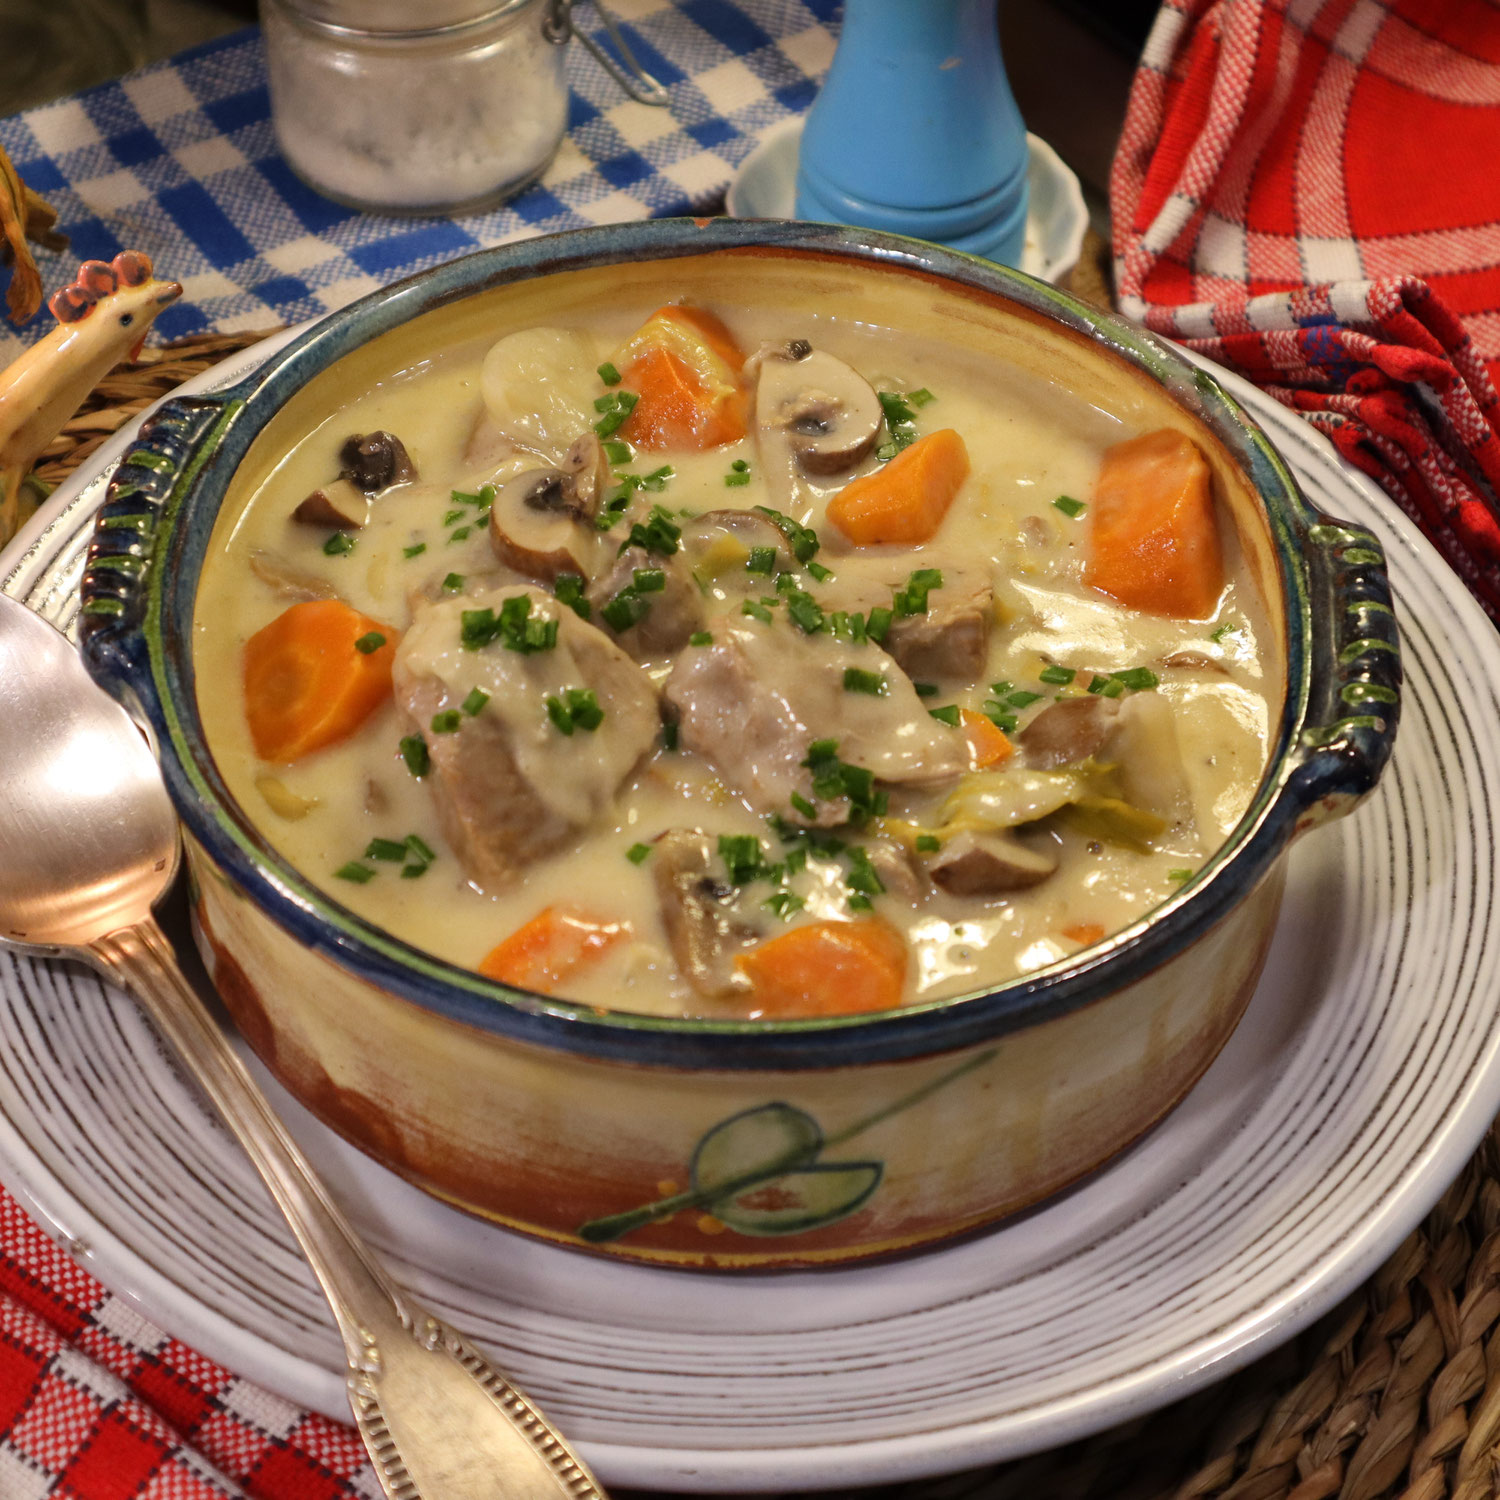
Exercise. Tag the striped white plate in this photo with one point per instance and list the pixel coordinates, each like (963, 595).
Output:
(1364, 1074)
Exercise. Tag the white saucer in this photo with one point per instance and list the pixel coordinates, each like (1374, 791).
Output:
(765, 187)
(1363, 1076)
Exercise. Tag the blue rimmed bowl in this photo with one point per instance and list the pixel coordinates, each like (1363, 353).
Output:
(729, 1143)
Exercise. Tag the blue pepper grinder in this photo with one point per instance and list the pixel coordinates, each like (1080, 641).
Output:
(916, 131)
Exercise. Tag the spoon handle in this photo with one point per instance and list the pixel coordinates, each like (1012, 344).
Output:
(439, 1423)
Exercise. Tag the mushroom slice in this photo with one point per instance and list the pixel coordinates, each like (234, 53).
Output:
(1069, 731)
(720, 541)
(586, 465)
(289, 581)
(827, 410)
(989, 864)
(341, 504)
(698, 910)
(376, 460)
(538, 526)
(901, 873)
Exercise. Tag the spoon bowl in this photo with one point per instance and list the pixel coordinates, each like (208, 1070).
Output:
(88, 845)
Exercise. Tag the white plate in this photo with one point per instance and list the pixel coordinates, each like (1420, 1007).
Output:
(1363, 1076)
(765, 187)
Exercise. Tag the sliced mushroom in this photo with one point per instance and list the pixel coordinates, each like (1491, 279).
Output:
(1069, 731)
(698, 912)
(989, 864)
(900, 873)
(288, 581)
(826, 410)
(720, 541)
(376, 460)
(586, 465)
(341, 504)
(1195, 661)
(539, 527)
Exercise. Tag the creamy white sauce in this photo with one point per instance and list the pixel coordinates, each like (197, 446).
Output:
(1027, 446)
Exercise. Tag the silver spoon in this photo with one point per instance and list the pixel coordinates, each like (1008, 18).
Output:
(88, 845)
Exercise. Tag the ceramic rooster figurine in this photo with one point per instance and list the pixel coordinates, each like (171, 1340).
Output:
(102, 317)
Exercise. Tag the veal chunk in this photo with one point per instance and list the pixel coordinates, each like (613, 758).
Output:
(755, 699)
(953, 638)
(510, 787)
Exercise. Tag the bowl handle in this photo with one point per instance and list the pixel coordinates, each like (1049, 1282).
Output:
(1354, 689)
(125, 557)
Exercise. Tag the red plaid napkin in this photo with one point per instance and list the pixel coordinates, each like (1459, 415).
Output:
(1309, 192)
(98, 1404)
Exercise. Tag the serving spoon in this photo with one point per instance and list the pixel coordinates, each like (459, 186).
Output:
(88, 845)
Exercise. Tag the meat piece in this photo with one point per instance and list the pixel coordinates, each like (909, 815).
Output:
(1068, 731)
(649, 623)
(510, 787)
(953, 638)
(376, 460)
(989, 864)
(754, 700)
(699, 910)
(902, 875)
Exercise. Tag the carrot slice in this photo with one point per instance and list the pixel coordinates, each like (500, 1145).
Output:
(548, 949)
(1154, 538)
(988, 745)
(907, 499)
(828, 969)
(1083, 933)
(307, 683)
(684, 366)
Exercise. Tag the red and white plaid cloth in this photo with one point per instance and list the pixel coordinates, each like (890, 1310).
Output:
(98, 1404)
(1309, 192)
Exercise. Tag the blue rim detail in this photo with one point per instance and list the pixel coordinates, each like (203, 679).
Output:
(159, 680)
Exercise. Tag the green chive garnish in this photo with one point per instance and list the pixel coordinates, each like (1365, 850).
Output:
(617, 452)
(1137, 679)
(761, 560)
(803, 806)
(358, 873)
(569, 590)
(759, 611)
(701, 638)
(475, 701)
(415, 550)
(1069, 506)
(414, 753)
(391, 850)
(928, 844)
(608, 374)
(926, 689)
(947, 714)
(857, 680)
(453, 582)
(1179, 875)
(338, 544)
(637, 852)
(1057, 676)
(446, 722)
(372, 641)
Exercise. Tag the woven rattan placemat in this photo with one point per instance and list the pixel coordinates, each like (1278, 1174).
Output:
(1396, 1393)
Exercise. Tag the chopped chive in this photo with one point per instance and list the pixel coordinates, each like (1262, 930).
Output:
(1137, 679)
(453, 582)
(735, 481)
(803, 806)
(461, 534)
(1179, 875)
(1021, 698)
(805, 611)
(948, 714)
(803, 540)
(878, 622)
(584, 707)
(416, 868)
(475, 701)
(415, 843)
(860, 903)
(414, 752)
(338, 544)
(1004, 722)
(617, 452)
(1057, 676)
(701, 638)
(465, 497)
(920, 398)
(1106, 687)
(761, 560)
(1229, 627)
(453, 518)
(658, 534)
(819, 572)
(1069, 506)
(911, 599)
(627, 608)
(393, 851)
(558, 712)
(608, 374)
(649, 581)
(415, 550)
(568, 587)
(741, 466)
(637, 852)
(759, 611)
(857, 680)
(926, 689)
(446, 722)
(370, 642)
(928, 844)
(616, 407)
(358, 873)
(669, 735)
(785, 904)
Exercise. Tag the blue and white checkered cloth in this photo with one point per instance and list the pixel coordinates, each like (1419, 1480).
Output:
(179, 160)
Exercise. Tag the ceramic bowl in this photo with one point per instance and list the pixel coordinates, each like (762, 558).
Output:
(738, 1144)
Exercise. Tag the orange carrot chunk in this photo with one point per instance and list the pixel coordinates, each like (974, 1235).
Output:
(313, 676)
(1083, 933)
(684, 367)
(988, 745)
(551, 947)
(1154, 538)
(907, 499)
(827, 969)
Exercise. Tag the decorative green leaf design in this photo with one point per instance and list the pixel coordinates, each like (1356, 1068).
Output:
(805, 1199)
(753, 1145)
